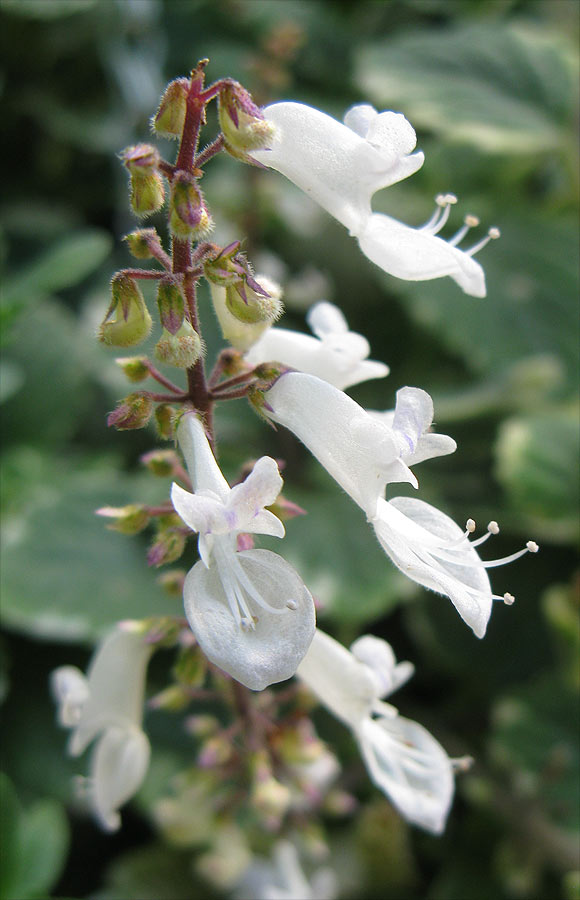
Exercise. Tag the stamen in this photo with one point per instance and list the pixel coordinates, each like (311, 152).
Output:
(509, 599)
(469, 529)
(470, 526)
(440, 216)
(468, 222)
(292, 604)
(247, 624)
(492, 235)
(532, 547)
(492, 528)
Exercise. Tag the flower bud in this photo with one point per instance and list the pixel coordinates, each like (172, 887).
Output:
(127, 519)
(188, 214)
(161, 462)
(190, 667)
(170, 116)
(171, 304)
(243, 312)
(202, 725)
(132, 412)
(258, 304)
(169, 543)
(147, 194)
(142, 242)
(215, 752)
(142, 159)
(165, 415)
(227, 267)
(268, 796)
(172, 582)
(181, 350)
(285, 509)
(242, 123)
(127, 321)
(172, 699)
(133, 367)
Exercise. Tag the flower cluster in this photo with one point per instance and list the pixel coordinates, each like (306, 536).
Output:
(248, 610)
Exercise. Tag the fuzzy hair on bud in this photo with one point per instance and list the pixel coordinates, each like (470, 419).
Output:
(132, 412)
(142, 241)
(133, 367)
(170, 116)
(182, 349)
(188, 214)
(242, 123)
(127, 321)
(171, 304)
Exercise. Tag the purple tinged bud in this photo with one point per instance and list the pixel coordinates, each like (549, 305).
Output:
(127, 519)
(142, 159)
(172, 582)
(161, 462)
(132, 412)
(142, 242)
(242, 123)
(171, 304)
(169, 543)
(188, 216)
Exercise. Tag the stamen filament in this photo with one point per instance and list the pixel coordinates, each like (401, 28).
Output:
(468, 222)
(492, 235)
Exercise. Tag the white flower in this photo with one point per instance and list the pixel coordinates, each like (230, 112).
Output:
(249, 610)
(403, 759)
(336, 354)
(283, 879)
(108, 704)
(342, 165)
(364, 454)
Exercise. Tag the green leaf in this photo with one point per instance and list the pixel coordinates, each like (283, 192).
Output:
(501, 88)
(530, 309)
(61, 266)
(534, 738)
(54, 356)
(46, 9)
(337, 555)
(152, 872)
(537, 464)
(34, 845)
(65, 576)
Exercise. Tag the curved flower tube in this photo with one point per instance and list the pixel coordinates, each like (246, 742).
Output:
(108, 702)
(249, 610)
(363, 453)
(335, 354)
(342, 165)
(402, 758)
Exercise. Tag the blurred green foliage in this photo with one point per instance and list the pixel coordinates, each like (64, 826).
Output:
(491, 87)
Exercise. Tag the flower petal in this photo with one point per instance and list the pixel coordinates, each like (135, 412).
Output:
(338, 168)
(202, 513)
(261, 488)
(325, 318)
(410, 767)
(203, 469)
(116, 683)
(416, 255)
(272, 650)
(417, 536)
(343, 684)
(330, 424)
(119, 765)
(378, 655)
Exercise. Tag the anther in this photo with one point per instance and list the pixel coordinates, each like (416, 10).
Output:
(470, 526)
(532, 547)
(462, 763)
(509, 599)
(468, 222)
(441, 214)
(493, 527)
(292, 604)
(492, 235)
(246, 624)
